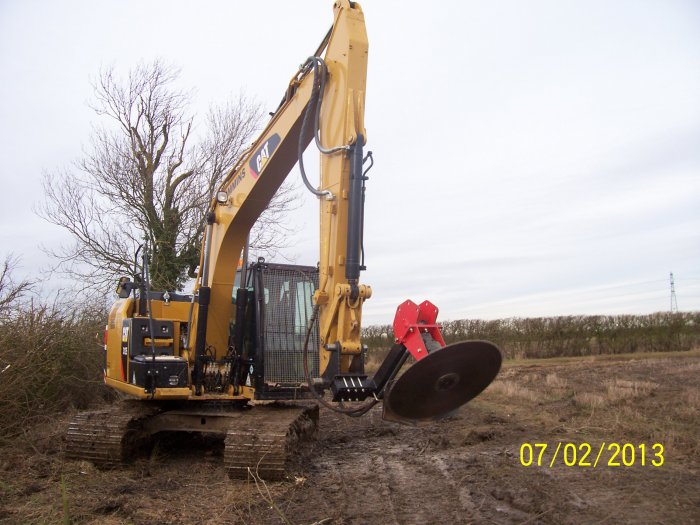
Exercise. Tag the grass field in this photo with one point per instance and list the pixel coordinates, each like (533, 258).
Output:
(467, 468)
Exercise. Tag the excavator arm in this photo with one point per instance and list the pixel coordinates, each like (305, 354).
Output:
(334, 87)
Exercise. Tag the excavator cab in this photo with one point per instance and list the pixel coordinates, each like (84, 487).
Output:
(273, 316)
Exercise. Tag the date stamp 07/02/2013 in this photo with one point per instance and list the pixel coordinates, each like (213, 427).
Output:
(586, 456)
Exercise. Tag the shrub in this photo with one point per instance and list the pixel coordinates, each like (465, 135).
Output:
(50, 358)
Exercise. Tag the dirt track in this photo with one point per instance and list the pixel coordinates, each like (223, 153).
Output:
(462, 470)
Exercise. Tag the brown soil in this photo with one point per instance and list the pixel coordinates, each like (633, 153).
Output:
(465, 469)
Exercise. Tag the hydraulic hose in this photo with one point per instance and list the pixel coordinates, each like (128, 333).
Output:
(352, 412)
(320, 73)
(318, 63)
(151, 327)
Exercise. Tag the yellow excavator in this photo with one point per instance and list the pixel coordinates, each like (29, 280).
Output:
(254, 350)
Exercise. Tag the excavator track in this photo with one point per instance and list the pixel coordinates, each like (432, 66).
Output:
(258, 442)
(109, 436)
(261, 443)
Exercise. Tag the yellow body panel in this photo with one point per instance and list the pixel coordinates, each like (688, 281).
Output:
(116, 370)
(121, 309)
(137, 391)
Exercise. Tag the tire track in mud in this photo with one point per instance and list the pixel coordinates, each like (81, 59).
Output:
(422, 492)
(463, 493)
(370, 471)
(393, 485)
(349, 488)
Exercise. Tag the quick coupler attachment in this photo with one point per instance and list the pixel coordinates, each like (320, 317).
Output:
(349, 387)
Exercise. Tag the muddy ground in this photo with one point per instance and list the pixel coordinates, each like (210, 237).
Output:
(466, 469)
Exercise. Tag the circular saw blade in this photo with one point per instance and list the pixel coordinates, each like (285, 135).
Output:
(442, 382)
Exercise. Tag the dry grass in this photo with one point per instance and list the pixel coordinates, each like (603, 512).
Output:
(615, 391)
(553, 380)
(620, 389)
(643, 357)
(512, 389)
(589, 399)
(690, 367)
(690, 400)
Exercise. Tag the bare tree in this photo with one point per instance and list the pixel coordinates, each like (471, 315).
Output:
(11, 290)
(146, 176)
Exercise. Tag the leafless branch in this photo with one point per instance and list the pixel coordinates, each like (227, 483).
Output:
(147, 176)
(11, 291)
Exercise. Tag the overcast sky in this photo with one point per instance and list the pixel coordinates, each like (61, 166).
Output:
(531, 157)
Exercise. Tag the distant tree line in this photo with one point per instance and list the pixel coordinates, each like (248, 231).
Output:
(580, 335)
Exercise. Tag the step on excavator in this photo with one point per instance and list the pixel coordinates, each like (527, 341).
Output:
(256, 348)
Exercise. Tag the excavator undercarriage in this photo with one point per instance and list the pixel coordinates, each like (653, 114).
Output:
(258, 441)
